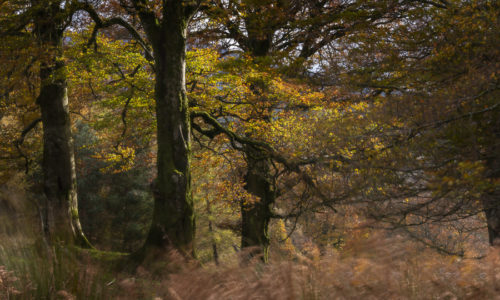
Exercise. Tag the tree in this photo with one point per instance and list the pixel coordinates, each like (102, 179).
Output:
(165, 27)
(435, 87)
(285, 34)
(234, 102)
(47, 22)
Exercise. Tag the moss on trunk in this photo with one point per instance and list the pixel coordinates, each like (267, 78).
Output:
(173, 224)
(60, 205)
(60, 210)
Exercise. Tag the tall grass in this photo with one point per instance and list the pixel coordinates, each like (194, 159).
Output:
(375, 267)
(380, 268)
(29, 269)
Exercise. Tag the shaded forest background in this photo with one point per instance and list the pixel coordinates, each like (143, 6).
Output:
(300, 149)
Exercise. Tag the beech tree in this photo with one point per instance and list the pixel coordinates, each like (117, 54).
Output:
(47, 21)
(287, 33)
(165, 27)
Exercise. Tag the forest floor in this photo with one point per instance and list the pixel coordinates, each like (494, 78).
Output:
(371, 268)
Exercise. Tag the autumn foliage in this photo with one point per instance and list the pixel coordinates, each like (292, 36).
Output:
(253, 149)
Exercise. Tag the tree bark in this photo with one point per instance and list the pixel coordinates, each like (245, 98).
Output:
(173, 224)
(491, 199)
(255, 216)
(60, 219)
(211, 231)
(491, 206)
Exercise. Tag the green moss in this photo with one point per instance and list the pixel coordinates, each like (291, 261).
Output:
(106, 255)
(74, 214)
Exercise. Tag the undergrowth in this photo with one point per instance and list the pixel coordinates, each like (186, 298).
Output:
(372, 267)
(381, 268)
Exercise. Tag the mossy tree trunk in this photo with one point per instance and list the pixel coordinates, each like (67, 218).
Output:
(173, 224)
(60, 206)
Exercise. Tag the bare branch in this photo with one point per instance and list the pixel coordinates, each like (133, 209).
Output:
(104, 23)
(20, 141)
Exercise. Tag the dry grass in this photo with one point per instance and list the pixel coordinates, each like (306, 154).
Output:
(375, 267)
(379, 269)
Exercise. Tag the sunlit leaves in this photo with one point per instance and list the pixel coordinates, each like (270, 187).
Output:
(111, 84)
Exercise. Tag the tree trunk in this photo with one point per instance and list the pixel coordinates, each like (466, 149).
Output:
(173, 224)
(60, 207)
(60, 219)
(491, 199)
(215, 252)
(256, 215)
(491, 205)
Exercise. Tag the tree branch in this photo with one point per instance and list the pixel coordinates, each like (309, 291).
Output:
(263, 149)
(20, 141)
(104, 23)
